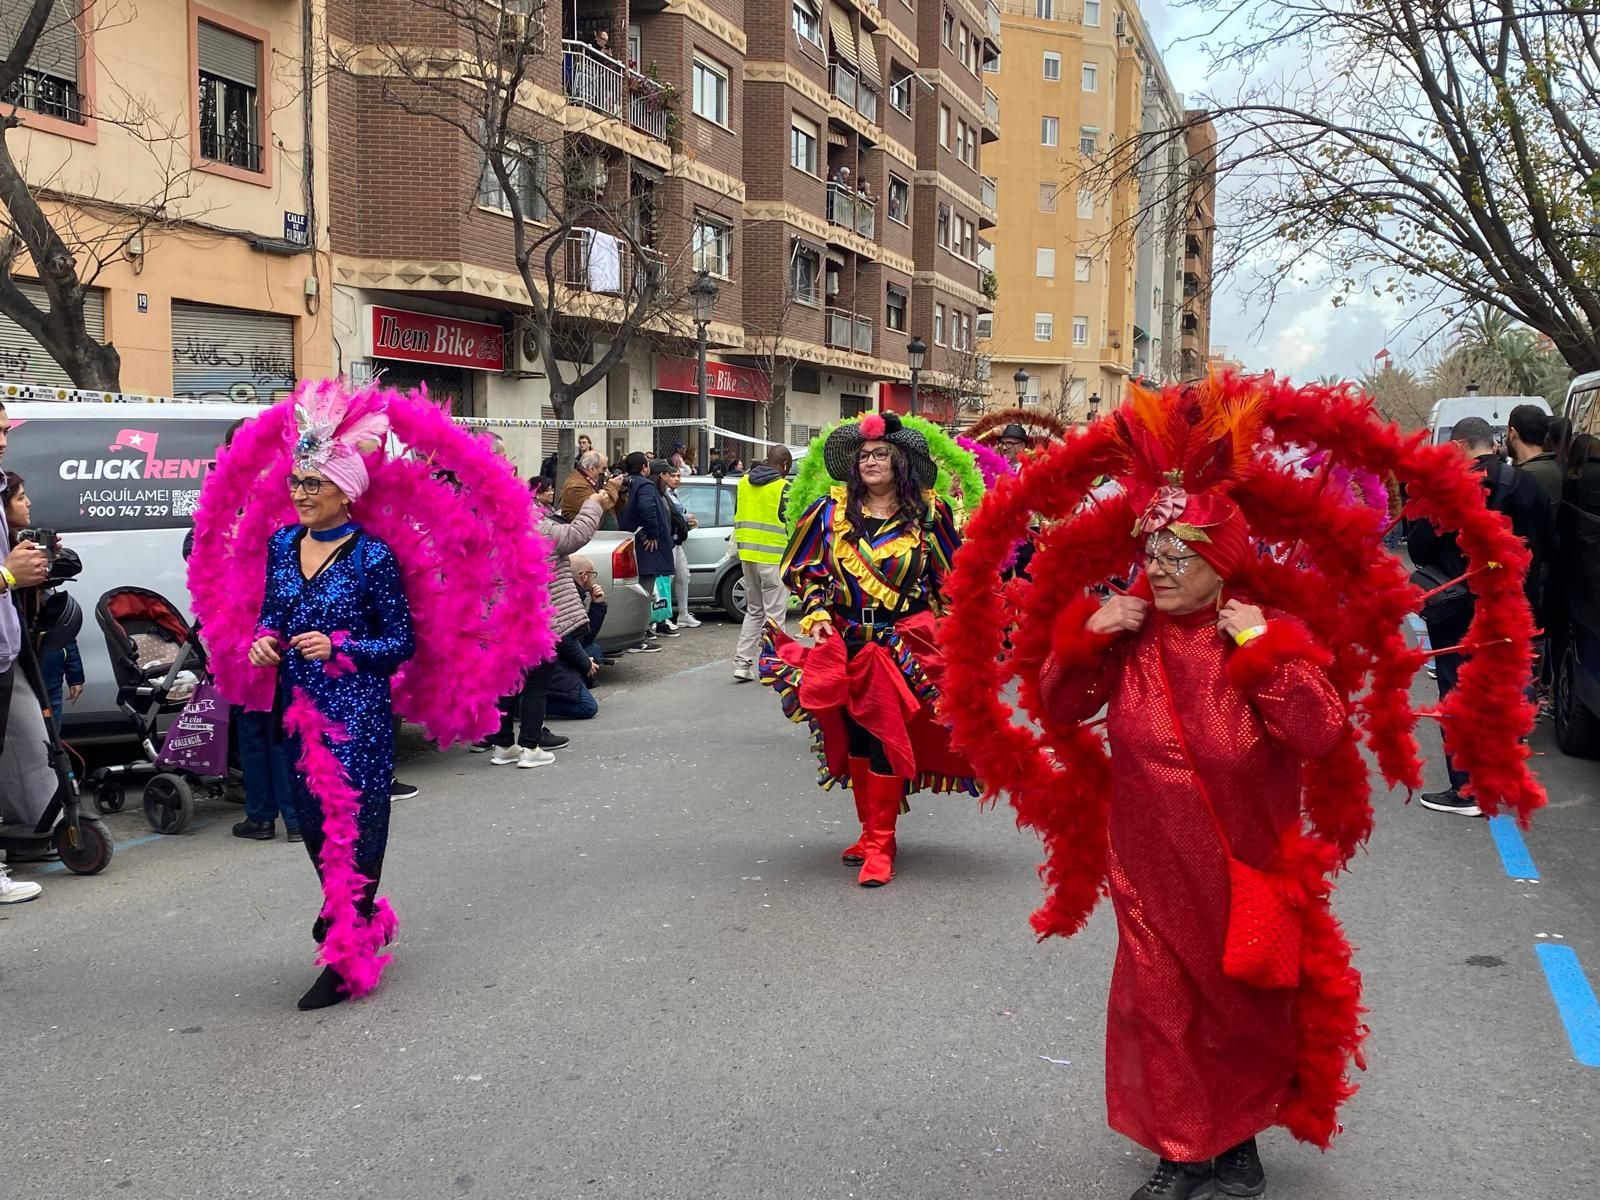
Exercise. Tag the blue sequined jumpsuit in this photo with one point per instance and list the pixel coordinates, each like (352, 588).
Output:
(358, 593)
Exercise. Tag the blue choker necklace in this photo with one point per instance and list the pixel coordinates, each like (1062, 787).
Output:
(333, 535)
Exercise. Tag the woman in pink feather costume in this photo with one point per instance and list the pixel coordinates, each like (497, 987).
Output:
(396, 590)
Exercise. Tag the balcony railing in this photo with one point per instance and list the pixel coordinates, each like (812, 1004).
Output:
(849, 331)
(841, 205)
(991, 107)
(845, 85)
(990, 192)
(866, 218)
(604, 263)
(47, 95)
(599, 82)
(867, 103)
(230, 149)
(994, 19)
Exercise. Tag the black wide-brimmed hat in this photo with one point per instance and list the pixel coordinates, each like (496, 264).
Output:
(1014, 432)
(846, 440)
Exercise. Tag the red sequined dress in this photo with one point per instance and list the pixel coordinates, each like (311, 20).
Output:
(1195, 1061)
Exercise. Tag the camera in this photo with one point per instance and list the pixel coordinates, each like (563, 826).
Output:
(48, 540)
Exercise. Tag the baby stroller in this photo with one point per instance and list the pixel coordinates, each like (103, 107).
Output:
(160, 669)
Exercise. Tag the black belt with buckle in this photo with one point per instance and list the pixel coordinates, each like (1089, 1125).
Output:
(875, 617)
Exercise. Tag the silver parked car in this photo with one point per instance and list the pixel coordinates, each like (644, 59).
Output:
(616, 570)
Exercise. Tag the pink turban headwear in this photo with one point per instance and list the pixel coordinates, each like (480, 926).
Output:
(334, 427)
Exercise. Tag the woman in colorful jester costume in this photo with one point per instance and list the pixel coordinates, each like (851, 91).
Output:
(868, 562)
(356, 613)
(1225, 785)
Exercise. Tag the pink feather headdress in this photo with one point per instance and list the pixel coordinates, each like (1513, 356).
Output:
(333, 428)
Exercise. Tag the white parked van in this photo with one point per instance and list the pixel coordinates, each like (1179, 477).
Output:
(1494, 409)
(120, 482)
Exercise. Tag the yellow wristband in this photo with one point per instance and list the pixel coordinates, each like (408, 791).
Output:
(1248, 635)
(11, 580)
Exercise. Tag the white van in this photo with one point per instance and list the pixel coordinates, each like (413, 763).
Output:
(120, 482)
(1494, 409)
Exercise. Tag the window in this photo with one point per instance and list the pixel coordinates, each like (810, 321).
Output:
(1091, 77)
(949, 30)
(968, 238)
(985, 328)
(808, 21)
(964, 47)
(713, 246)
(1083, 267)
(896, 308)
(48, 85)
(1080, 331)
(1045, 9)
(942, 227)
(991, 66)
(944, 125)
(803, 137)
(966, 143)
(1044, 262)
(1044, 327)
(710, 91)
(1085, 202)
(526, 164)
(899, 200)
(1091, 13)
(956, 332)
(1052, 66)
(1087, 140)
(805, 274)
(230, 110)
(1049, 131)
(900, 93)
(938, 324)
(1047, 197)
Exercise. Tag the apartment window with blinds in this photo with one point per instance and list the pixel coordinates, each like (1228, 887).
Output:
(805, 275)
(808, 21)
(1047, 197)
(899, 200)
(938, 324)
(713, 247)
(1044, 9)
(803, 137)
(48, 85)
(1049, 131)
(526, 165)
(1085, 202)
(895, 309)
(710, 91)
(1088, 140)
(1044, 262)
(1052, 66)
(230, 91)
(1091, 13)
(949, 30)
(1080, 331)
(1044, 327)
(1083, 268)
(1091, 77)
(900, 91)
(942, 226)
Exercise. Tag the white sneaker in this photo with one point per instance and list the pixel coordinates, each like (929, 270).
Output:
(689, 621)
(535, 758)
(504, 756)
(16, 891)
(743, 673)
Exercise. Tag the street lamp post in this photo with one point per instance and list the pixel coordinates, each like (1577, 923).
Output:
(1020, 380)
(1094, 406)
(703, 295)
(916, 353)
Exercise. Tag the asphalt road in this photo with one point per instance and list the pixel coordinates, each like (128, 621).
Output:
(644, 973)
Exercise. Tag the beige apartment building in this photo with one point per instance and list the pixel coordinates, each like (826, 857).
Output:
(1090, 273)
(207, 118)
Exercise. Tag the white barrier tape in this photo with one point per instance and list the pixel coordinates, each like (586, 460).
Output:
(554, 423)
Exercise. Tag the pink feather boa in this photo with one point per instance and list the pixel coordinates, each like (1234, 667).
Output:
(354, 945)
(991, 463)
(476, 574)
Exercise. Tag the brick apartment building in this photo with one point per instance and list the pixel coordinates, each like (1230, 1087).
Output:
(818, 159)
(1200, 231)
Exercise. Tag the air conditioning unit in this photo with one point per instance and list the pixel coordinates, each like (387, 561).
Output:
(589, 174)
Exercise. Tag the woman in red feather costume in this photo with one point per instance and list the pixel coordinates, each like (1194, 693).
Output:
(1226, 786)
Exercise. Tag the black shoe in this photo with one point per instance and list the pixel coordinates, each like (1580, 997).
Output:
(294, 835)
(1450, 801)
(327, 991)
(1176, 1181)
(1239, 1173)
(403, 791)
(645, 648)
(553, 741)
(608, 662)
(662, 629)
(256, 831)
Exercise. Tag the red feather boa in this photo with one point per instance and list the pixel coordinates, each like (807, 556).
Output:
(1352, 597)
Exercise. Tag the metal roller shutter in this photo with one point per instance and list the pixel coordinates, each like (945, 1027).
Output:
(231, 354)
(23, 360)
(844, 35)
(739, 416)
(56, 51)
(226, 54)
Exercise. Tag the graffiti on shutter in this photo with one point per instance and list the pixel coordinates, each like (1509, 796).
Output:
(23, 360)
(231, 354)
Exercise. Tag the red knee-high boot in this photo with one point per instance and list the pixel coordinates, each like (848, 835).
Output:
(884, 794)
(860, 769)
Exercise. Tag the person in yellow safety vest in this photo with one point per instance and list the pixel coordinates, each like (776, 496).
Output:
(761, 536)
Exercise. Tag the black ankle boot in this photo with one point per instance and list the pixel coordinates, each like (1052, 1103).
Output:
(327, 991)
(1175, 1181)
(1239, 1171)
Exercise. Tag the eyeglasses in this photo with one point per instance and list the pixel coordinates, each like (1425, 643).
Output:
(1172, 564)
(310, 484)
(877, 454)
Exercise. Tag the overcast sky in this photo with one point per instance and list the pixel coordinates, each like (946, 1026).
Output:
(1303, 335)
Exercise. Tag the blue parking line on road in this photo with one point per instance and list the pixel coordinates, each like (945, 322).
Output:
(1514, 854)
(56, 868)
(1575, 1001)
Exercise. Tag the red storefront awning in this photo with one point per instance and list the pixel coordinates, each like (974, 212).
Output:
(933, 404)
